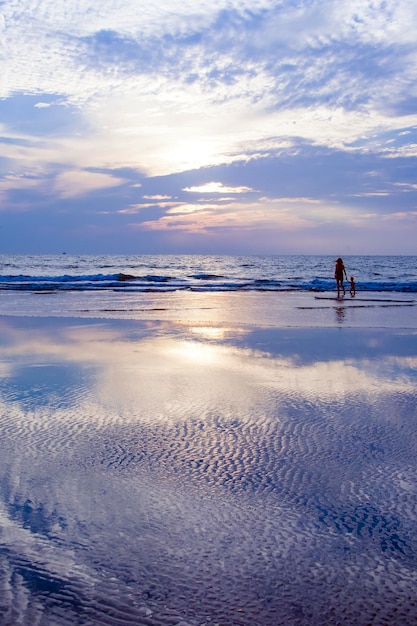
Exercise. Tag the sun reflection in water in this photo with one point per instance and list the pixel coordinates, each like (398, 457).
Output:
(210, 332)
(195, 351)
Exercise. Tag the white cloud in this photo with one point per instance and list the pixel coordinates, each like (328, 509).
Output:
(210, 95)
(133, 209)
(43, 105)
(406, 187)
(217, 188)
(372, 194)
(73, 183)
(288, 214)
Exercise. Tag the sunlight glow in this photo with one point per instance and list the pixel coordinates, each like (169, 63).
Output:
(196, 352)
(211, 332)
(217, 188)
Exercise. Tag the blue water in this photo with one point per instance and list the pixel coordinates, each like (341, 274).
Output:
(160, 475)
(168, 273)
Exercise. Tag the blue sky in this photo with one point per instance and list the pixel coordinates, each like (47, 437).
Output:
(212, 126)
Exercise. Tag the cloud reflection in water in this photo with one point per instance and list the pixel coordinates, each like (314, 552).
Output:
(206, 474)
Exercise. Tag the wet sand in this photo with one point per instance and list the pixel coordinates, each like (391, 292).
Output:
(209, 470)
(272, 309)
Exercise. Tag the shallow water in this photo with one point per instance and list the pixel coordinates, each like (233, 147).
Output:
(159, 474)
(267, 309)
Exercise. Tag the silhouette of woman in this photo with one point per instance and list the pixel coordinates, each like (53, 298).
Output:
(339, 270)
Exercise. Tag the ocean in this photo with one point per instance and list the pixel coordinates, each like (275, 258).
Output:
(170, 273)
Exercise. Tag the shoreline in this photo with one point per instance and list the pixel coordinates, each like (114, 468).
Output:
(272, 309)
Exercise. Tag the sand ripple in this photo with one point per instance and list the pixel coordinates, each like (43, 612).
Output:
(276, 504)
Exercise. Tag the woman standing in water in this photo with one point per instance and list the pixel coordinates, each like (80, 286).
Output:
(339, 270)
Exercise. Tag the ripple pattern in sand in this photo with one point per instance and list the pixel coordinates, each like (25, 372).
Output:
(285, 507)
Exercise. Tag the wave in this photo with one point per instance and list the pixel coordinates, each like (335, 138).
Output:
(197, 282)
(159, 273)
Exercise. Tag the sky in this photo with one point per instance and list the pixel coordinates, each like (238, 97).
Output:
(208, 126)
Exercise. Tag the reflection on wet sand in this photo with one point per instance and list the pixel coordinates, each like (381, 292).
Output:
(340, 314)
(158, 473)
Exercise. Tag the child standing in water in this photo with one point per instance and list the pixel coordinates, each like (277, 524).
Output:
(339, 270)
(352, 287)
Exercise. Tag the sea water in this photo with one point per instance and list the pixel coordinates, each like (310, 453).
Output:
(269, 290)
(160, 475)
(167, 273)
(247, 465)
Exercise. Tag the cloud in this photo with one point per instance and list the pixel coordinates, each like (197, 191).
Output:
(73, 183)
(180, 87)
(216, 188)
(406, 187)
(243, 94)
(136, 208)
(186, 84)
(266, 214)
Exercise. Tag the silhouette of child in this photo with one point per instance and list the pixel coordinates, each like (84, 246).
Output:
(352, 287)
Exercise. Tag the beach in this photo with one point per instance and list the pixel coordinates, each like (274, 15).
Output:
(236, 459)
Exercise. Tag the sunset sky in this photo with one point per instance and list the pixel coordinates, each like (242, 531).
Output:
(212, 126)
